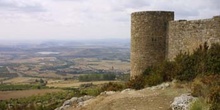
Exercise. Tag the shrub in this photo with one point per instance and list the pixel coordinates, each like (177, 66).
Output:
(199, 104)
(214, 98)
(201, 86)
(93, 91)
(198, 88)
(202, 61)
(112, 87)
(3, 105)
(154, 79)
(166, 70)
(185, 67)
(138, 82)
(208, 87)
(87, 85)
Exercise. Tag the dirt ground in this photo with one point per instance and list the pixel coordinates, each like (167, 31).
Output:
(145, 99)
(5, 95)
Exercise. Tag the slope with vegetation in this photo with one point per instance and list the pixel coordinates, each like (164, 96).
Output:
(201, 69)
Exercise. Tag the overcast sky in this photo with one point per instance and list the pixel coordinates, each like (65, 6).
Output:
(88, 19)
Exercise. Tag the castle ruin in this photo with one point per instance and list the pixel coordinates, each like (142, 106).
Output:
(156, 37)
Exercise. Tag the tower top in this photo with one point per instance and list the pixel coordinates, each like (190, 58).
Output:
(150, 12)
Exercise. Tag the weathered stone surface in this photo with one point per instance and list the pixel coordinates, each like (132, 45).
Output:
(182, 102)
(107, 93)
(78, 101)
(186, 36)
(127, 90)
(160, 86)
(148, 38)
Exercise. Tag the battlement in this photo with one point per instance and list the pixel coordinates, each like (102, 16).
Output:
(214, 17)
(155, 36)
(150, 12)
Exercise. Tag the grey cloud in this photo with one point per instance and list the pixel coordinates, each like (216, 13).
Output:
(69, 0)
(187, 9)
(15, 6)
(186, 13)
(215, 4)
(125, 4)
(122, 19)
(137, 3)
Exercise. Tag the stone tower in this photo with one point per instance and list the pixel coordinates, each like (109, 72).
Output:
(148, 39)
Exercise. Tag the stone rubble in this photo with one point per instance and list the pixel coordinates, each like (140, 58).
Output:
(107, 93)
(161, 86)
(183, 102)
(127, 90)
(74, 101)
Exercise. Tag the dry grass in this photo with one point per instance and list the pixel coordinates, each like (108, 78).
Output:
(145, 99)
(72, 83)
(20, 80)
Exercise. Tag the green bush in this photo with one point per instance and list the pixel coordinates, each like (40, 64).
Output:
(199, 104)
(3, 105)
(167, 70)
(138, 82)
(202, 61)
(186, 66)
(93, 91)
(153, 79)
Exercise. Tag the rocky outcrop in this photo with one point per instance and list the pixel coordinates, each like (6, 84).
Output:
(157, 97)
(183, 102)
(77, 102)
(160, 86)
(107, 93)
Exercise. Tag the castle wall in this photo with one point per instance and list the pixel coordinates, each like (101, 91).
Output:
(148, 39)
(186, 36)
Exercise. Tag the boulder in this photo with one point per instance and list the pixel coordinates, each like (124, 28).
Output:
(183, 102)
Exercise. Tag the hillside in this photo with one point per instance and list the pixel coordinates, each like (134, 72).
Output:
(152, 98)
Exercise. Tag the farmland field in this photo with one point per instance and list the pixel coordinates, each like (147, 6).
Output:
(64, 84)
(28, 71)
(6, 95)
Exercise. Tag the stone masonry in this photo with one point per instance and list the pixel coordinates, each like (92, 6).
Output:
(155, 36)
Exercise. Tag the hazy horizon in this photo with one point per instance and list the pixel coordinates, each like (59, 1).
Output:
(107, 41)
